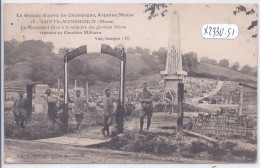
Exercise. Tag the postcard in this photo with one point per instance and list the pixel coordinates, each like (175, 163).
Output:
(127, 83)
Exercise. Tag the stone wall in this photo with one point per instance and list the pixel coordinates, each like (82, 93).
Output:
(248, 100)
(225, 123)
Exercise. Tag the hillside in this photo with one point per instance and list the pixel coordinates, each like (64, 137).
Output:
(134, 63)
(204, 68)
(19, 70)
(137, 67)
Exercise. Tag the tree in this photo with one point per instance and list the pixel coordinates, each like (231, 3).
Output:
(153, 8)
(251, 11)
(45, 71)
(246, 69)
(34, 49)
(205, 60)
(139, 50)
(27, 50)
(10, 52)
(235, 66)
(208, 60)
(130, 50)
(154, 53)
(152, 63)
(254, 71)
(190, 62)
(224, 63)
(10, 74)
(162, 54)
(146, 52)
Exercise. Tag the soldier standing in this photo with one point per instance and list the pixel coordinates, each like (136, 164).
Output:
(19, 110)
(145, 98)
(52, 107)
(79, 109)
(108, 109)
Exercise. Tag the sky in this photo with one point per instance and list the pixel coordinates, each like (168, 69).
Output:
(151, 34)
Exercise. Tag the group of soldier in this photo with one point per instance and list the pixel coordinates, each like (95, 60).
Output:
(20, 108)
(80, 107)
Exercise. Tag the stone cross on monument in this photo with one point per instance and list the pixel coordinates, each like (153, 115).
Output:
(173, 73)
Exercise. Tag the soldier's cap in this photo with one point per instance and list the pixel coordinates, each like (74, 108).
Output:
(78, 91)
(144, 83)
(48, 90)
(107, 89)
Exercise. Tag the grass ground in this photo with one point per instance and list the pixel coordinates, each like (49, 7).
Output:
(40, 127)
(166, 145)
(158, 142)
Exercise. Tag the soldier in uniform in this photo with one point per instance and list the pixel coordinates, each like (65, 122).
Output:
(52, 107)
(108, 109)
(145, 98)
(79, 109)
(19, 110)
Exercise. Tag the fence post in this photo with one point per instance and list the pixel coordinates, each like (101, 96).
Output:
(29, 89)
(180, 111)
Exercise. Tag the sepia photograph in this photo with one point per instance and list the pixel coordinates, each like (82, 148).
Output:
(130, 83)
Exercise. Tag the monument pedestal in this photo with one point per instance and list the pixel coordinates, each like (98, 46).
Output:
(171, 83)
